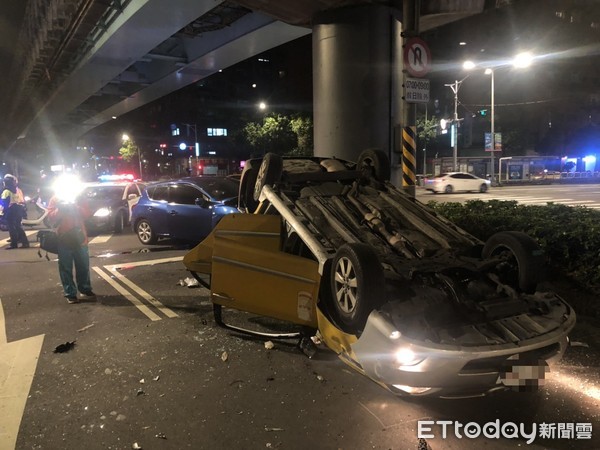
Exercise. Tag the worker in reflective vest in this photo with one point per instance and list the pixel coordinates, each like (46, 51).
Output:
(13, 209)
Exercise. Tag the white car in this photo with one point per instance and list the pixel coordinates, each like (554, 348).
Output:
(456, 181)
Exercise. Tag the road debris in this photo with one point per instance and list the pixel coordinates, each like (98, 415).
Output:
(224, 356)
(86, 327)
(136, 446)
(269, 345)
(189, 282)
(316, 339)
(156, 378)
(63, 348)
(140, 392)
(320, 378)
(161, 436)
(579, 344)
(308, 347)
(273, 429)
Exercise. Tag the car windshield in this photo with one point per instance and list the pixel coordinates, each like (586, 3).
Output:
(441, 175)
(219, 188)
(103, 192)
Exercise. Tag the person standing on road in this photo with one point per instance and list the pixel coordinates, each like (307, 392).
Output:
(68, 218)
(13, 207)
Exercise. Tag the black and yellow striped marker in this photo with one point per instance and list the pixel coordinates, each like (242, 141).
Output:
(409, 152)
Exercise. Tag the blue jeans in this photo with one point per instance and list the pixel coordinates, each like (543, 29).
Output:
(80, 257)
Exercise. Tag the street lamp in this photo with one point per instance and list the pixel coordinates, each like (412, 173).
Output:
(522, 60)
(196, 144)
(490, 72)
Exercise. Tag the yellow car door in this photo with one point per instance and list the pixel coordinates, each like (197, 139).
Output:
(250, 273)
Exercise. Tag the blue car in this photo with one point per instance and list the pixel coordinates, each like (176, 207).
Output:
(186, 209)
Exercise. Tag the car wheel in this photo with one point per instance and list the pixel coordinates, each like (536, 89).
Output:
(119, 222)
(269, 172)
(376, 163)
(357, 285)
(449, 189)
(145, 233)
(521, 259)
(246, 200)
(483, 188)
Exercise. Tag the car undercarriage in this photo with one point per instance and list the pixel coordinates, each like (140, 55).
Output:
(395, 277)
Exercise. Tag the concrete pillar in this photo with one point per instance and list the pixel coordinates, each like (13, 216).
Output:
(356, 96)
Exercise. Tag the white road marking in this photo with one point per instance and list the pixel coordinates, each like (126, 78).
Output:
(134, 287)
(3, 339)
(149, 262)
(27, 233)
(101, 239)
(18, 362)
(121, 290)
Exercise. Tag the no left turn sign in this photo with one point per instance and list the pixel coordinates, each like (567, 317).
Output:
(417, 57)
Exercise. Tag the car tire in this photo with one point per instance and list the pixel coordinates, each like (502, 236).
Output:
(357, 285)
(268, 173)
(119, 222)
(483, 188)
(522, 259)
(449, 189)
(376, 163)
(246, 200)
(144, 232)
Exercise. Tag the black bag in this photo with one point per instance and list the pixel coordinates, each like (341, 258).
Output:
(48, 240)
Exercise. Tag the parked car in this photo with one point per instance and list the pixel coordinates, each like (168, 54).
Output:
(456, 182)
(401, 294)
(186, 209)
(111, 204)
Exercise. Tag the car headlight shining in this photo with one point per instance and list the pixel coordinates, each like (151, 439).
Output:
(102, 212)
(406, 357)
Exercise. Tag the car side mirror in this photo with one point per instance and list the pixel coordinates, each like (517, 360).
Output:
(203, 203)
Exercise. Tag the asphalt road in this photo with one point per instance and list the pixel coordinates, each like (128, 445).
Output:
(149, 369)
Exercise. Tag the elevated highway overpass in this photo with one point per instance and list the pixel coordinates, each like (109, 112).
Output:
(80, 63)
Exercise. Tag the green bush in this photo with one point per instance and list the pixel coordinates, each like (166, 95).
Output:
(569, 236)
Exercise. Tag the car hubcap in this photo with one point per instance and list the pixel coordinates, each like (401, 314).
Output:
(345, 285)
(259, 184)
(144, 232)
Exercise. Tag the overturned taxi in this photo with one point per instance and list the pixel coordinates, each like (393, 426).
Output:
(398, 292)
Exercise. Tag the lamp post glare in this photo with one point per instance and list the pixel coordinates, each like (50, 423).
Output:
(262, 106)
(523, 60)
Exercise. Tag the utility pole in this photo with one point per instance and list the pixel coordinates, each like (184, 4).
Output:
(455, 120)
(492, 130)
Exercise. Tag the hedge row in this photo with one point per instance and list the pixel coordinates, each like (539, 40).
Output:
(569, 236)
